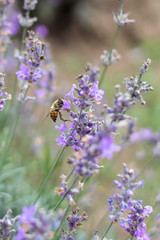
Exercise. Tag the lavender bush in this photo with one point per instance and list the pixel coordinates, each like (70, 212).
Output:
(90, 134)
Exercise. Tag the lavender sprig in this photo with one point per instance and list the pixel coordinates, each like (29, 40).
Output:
(4, 96)
(7, 226)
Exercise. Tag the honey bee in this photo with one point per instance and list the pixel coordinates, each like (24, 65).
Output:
(55, 110)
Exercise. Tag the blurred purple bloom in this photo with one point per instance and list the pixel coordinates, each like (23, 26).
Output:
(34, 226)
(28, 214)
(144, 135)
(42, 30)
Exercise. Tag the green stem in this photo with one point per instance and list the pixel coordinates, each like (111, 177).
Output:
(48, 175)
(12, 134)
(54, 164)
(145, 166)
(107, 230)
(64, 216)
(110, 55)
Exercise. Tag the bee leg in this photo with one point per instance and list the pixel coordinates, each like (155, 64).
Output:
(45, 117)
(64, 120)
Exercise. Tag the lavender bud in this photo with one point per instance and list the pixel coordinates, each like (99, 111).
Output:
(145, 66)
(108, 58)
(30, 4)
(121, 19)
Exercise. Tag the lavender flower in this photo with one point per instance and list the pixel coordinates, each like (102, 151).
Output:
(32, 226)
(42, 30)
(26, 21)
(121, 19)
(147, 135)
(74, 223)
(95, 148)
(108, 58)
(136, 88)
(68, 193)
(123, 101)
(84, 97)
(4, 96)
(30, 70)
(122, 201)
(30, 4)
(7, 226)
(134, 224)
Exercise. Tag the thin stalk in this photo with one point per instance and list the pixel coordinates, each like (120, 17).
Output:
(110, 55)
(107, 230)
(111, 50)
(48, 175)
(21, 50)
(61, 200)
(64, 216)
(54, 164)
(70, 175)
(145, 166)
(12, 134)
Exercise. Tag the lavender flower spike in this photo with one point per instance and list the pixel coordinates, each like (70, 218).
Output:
(121, 19)
(30, 4)
(122, 201)
(3, 95)
(7, 226)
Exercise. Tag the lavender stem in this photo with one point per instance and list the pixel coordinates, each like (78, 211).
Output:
(107, 230)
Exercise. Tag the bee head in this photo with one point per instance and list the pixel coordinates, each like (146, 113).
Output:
(60, 102)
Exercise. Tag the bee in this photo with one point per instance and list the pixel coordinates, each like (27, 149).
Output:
(55, 110)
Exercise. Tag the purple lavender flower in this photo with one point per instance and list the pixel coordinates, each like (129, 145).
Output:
(124, 101)
(95, 148)
(34, 226)
(30, 70)
(4, 96)
(7, 226)
(74, 222)
(68, 193)
(42, 30)
(122, 201)
(134, 224)
(145, 135)
(84, 97)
